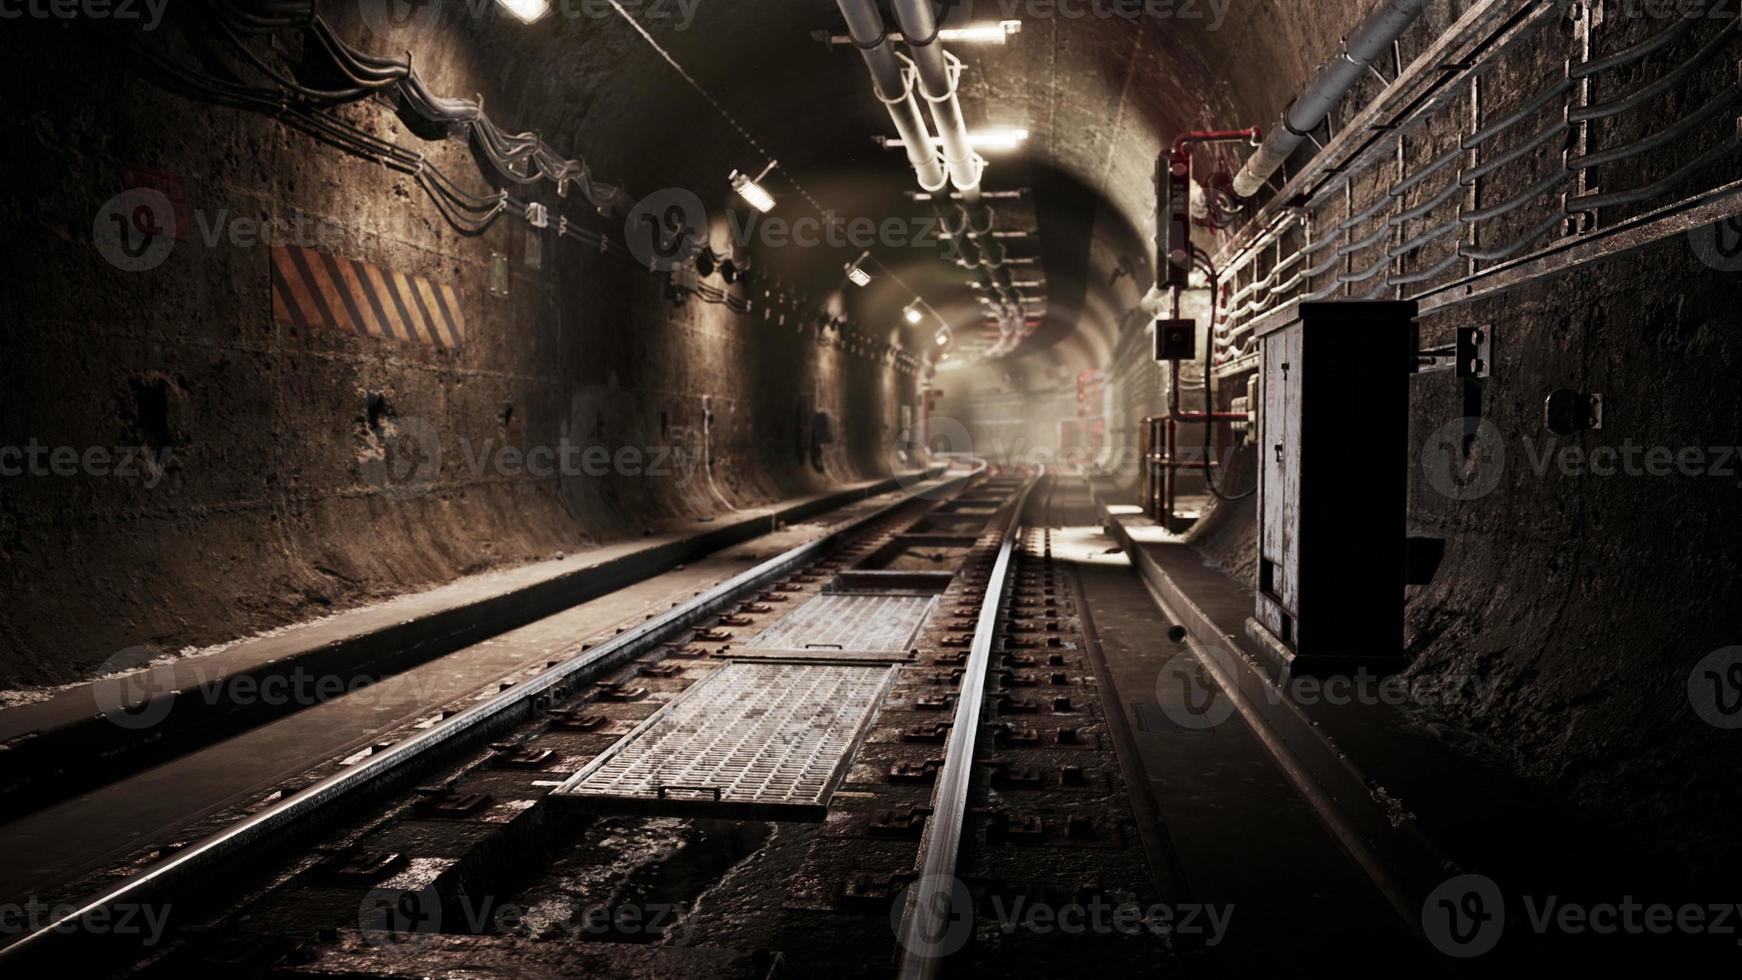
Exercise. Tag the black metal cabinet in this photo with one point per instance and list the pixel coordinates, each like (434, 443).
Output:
(1333, 483)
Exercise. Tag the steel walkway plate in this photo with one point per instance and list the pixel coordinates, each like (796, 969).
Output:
(761, 740)
(849, 623)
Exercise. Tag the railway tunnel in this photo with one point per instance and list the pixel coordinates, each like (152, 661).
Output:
(795, 488)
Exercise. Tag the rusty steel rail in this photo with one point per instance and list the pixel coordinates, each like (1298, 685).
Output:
(456, 733)
(930, 899)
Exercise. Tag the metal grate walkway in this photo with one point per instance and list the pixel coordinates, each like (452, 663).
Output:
(772, 739)
(848, 623)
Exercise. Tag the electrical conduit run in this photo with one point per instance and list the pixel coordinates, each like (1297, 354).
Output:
(894, 90)
(938, 74)
(1333, 82)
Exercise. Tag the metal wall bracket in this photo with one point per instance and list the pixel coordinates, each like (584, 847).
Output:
(1471, 354)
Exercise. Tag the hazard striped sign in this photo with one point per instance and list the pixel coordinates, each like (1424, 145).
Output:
(311, 289)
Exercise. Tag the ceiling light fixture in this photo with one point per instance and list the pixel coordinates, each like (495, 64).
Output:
(992, 140)
(912, 313)
(997, 33)
(751, 190)
(526, 10)
(944, 336)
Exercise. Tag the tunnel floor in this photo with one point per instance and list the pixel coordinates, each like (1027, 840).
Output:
(749, 778)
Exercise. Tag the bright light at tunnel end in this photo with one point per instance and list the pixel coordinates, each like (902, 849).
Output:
(526, 10)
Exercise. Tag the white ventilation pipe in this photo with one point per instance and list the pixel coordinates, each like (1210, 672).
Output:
(865, 27)
(1333, 82)
(938, 75)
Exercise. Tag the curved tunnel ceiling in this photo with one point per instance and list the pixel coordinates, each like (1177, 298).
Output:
(658, 95)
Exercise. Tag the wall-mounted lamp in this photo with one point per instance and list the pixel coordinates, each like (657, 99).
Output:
(856, 273)
(751, 190)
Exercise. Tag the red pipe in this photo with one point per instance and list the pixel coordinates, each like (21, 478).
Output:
(1183, 141)
(1213, 417)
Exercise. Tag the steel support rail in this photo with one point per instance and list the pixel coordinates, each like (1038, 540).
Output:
(505, 708)
(926, 913)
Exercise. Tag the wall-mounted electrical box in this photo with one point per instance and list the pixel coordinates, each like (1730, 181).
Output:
(1173, 197)
(1176, 340)
(1333, 445)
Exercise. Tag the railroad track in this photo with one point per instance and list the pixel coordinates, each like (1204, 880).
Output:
(1039, 828)
(582, 707)
(895, 749)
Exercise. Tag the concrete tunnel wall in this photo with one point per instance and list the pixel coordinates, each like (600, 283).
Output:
(278, 501)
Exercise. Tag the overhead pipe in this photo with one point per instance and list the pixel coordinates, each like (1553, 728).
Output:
(937, 81)
(1328, 88)
(865, 26)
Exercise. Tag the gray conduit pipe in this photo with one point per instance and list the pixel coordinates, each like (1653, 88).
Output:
(865, 26)
(1333, 82)
(937, 81)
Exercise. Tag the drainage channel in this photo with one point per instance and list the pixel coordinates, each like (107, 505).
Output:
(566, 703)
